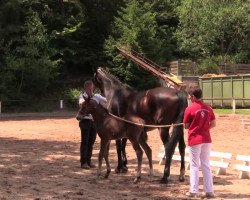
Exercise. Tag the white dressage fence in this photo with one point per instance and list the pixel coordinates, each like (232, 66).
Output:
(220, 160)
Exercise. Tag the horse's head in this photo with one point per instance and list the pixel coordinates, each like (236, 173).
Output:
(99, 79)
(106, 81)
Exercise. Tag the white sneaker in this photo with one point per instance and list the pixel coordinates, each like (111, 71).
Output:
(208, 195)
(190, 194)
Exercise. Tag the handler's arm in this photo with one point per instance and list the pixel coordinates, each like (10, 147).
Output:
(212, 124)
(186, 125)
(81, 101)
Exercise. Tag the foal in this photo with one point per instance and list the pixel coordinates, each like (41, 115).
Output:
(109, 128)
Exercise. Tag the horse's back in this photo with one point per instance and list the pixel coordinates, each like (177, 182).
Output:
(155, 105)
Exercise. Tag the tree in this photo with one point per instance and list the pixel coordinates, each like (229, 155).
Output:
(215, 29)
(167, 23)
(135, 28)
(99, 17)
(29, 64)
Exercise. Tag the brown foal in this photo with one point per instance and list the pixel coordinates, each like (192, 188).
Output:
(110, 128)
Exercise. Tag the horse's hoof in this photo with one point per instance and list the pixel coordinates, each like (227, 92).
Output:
(118, 171)
(106, 176)
(181, 178)
(151, 173)
(164, 181)
(137, 180)
(124, 170)
(99, 175)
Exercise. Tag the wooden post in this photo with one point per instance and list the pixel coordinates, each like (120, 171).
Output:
(244, 174)
(243, 91)
(61, 104)
(234, 106)
(222, 95)
(212, 92)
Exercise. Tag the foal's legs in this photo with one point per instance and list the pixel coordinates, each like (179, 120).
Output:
(102, 151)
(148, 152)
(164, 134)
(119, 155)
(139, 154)
(106, 157)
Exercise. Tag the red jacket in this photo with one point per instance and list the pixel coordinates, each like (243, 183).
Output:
(198, 115)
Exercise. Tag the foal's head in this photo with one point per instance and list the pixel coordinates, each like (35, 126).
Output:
(88, 106)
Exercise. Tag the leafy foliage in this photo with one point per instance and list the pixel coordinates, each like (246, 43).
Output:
(44, 44)
(134, 28)
(28, 66)
(215, 28)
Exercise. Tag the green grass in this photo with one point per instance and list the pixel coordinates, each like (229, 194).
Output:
(230, 111)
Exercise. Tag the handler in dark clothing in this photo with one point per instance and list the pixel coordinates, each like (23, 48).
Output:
(88, 132)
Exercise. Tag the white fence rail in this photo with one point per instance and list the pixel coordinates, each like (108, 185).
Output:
(61, 104)
(43, 105)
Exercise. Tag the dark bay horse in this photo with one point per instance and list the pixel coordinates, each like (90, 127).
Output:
(155, 106)
(109, 128)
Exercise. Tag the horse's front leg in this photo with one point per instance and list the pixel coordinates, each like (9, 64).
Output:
(124, 156)
(106, 157)
(119, 155)
(101, 155)
(148, 151)
(139, 154)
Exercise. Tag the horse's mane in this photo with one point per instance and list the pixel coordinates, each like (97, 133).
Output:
(114, 78)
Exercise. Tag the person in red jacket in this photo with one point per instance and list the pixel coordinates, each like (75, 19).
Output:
(199, 118)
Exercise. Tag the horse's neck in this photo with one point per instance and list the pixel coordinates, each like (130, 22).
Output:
(117, 90)
(117, 100)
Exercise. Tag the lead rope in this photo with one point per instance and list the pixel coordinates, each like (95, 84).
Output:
(145, 125)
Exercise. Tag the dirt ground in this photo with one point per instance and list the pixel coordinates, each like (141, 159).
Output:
(39, 159)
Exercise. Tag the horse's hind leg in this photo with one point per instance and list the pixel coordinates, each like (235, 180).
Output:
(182, 147)
(139, 154)
(106, 157)
(148, 152)
(169, 151)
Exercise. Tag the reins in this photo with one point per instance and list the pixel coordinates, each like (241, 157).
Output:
(145, 125)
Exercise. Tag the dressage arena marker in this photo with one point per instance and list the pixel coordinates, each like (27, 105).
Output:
(221, 164)
(245, 123)
(245, 168)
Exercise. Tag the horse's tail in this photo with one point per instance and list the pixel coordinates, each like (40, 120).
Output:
(183, 103)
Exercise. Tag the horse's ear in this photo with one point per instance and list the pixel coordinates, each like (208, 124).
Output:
(94, 69)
